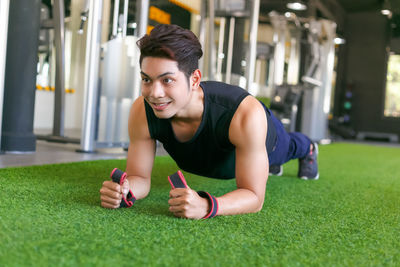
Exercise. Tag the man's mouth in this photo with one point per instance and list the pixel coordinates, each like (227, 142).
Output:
(160, 106)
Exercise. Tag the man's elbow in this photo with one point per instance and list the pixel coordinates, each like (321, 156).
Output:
(259, 205)
(259, 208)
(142, 194)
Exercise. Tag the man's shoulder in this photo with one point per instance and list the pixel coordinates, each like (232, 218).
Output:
(249, 121)
(139, 102)
(138, 112)
(137, 123)
(220, 86)
(223, 94)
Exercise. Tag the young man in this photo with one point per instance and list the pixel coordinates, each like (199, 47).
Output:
(209, 128)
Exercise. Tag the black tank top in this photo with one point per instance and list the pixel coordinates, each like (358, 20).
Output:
(209, 152)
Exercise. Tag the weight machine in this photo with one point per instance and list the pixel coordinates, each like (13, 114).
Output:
(108, 98)
(111, 75)
(303, 103)
(219, 60)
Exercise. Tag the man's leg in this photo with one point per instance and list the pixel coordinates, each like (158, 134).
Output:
(294, 146)
(288, 145)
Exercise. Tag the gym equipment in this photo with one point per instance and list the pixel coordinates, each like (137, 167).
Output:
(313, 40)
(310, 76)
(98, 100)
(57, 23)
(177, 180)
(118, 76)
(4, 8)
(391, 137)
(229, 12)
(316, 101)
(285, 103)
(118, 176)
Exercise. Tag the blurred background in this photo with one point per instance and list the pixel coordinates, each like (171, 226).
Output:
(69, 68)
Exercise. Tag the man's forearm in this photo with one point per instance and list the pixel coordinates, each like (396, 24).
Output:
(239, 201)
(139, 186)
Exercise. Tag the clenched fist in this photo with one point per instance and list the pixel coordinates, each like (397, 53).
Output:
(186, 203)
(111, 194)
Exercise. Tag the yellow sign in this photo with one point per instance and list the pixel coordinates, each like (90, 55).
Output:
(149, 29)
(159, 15)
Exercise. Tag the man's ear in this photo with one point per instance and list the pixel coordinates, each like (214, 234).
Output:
(195, 79)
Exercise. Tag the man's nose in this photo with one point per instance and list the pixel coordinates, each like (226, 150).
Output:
(157, 91)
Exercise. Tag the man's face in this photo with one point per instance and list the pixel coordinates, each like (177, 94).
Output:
(164, 86)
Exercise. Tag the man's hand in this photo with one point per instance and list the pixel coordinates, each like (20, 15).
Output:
(111, 194)
(186, 203)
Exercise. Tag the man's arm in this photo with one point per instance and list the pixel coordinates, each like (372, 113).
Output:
(141, 151)
(140, 159)
(248, 133)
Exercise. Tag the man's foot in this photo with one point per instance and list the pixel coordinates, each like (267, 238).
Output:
(276, 170)
(308, 166)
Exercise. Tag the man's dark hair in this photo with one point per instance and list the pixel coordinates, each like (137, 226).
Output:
(172, 42)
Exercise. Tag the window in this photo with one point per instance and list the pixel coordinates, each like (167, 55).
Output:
(392, 95)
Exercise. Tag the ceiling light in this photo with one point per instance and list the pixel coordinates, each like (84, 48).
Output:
(386, 9)
(339, 40)
(296, 5)
(386, 12)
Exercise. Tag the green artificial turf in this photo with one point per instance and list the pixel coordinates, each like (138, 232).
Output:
(51, 216)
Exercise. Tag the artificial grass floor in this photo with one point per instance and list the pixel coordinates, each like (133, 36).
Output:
(51, 216)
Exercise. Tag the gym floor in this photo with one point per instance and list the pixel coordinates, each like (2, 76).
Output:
(50, 153)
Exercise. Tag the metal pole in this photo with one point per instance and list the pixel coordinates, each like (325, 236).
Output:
(59, 98)
(92, 61)
(115, 19)
(4, 7)
(105, 29)
(125, 23)
(230, 50)
(294, 58)
(20, 73)
(220, 51)
(142, 7)
(142, 13)
(84, 14)
(252, 43)
(279, 25)
(202, 34)
(211, 49)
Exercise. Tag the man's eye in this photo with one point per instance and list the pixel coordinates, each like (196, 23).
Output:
(145, 80)
(167, 80)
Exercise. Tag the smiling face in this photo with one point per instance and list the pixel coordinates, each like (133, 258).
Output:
(165, 87)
